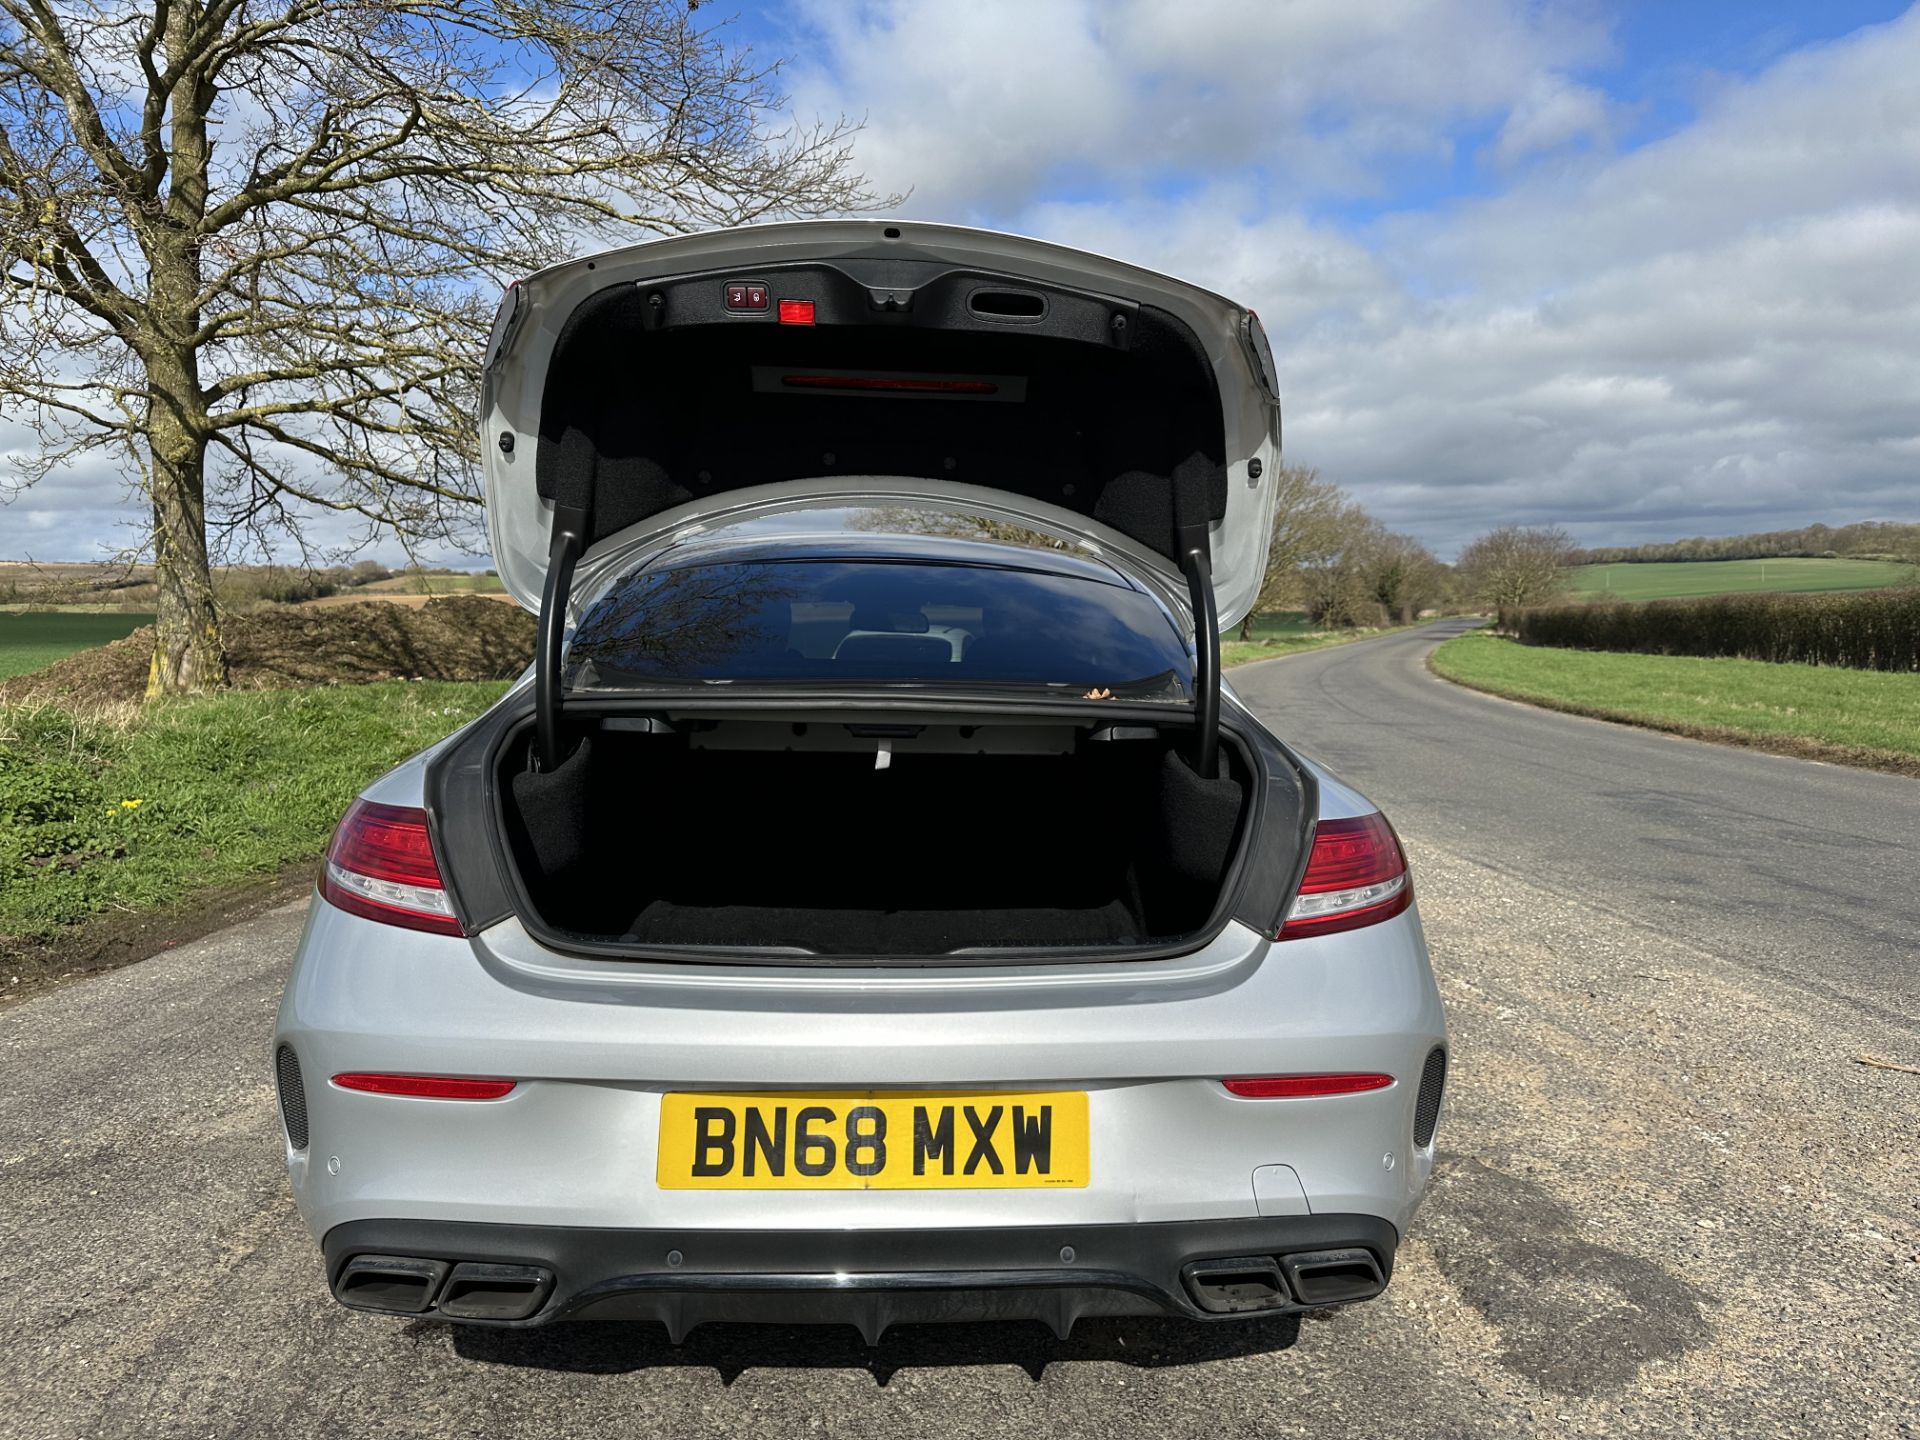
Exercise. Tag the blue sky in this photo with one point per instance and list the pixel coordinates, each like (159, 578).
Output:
(1644, 270)
(1661, 59)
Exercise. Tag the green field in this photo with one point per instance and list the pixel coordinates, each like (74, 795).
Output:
(1665, 581)
(32, 638)
(1282, 632)
(99, 815)
(1861, 717)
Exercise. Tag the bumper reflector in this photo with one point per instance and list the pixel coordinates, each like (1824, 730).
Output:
(425, 1087)
(1300, 1087)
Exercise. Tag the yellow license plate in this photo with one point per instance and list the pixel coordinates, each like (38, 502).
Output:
(873, 1140)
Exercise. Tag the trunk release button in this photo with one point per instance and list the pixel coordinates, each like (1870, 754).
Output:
(746, 295)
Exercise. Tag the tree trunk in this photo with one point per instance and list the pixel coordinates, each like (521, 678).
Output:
(1246, 627)
(188, 655)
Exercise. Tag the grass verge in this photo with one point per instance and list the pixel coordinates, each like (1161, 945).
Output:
(1849, 717)
(164, 811)
(1288, 632)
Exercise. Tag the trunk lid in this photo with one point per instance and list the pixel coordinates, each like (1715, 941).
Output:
(669, 382)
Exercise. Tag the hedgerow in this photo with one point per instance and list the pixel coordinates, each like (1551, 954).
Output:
(1873, 630)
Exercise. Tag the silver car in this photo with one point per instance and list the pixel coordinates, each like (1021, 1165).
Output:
(872, 907)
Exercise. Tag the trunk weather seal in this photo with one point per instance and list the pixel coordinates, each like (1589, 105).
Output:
(568, 943)
(1053, 706)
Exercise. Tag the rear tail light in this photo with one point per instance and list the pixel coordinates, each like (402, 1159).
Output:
(380, 866)
(424, 1087)
(1356, 875)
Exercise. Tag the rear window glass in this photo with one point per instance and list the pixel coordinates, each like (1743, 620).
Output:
(832, 620)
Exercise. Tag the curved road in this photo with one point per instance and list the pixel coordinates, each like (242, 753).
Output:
(1806, 871)
(1672, 1201)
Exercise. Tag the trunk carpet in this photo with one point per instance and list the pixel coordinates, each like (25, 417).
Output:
(649, 842)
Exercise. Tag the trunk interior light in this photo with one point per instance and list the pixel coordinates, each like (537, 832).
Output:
(1356, 875)
(381, 866)
(796, 312)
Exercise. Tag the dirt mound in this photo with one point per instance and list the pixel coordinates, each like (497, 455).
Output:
(396, 597)
(458, 637)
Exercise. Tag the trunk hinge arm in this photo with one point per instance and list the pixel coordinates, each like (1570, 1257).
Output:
(1206, 664)
(572, 525)
(569, 539)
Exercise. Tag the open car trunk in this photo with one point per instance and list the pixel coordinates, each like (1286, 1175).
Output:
(656, 389)
(835, 836)
(662, 384)
(637, 400)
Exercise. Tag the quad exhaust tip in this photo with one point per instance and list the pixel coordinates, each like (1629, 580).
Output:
(1333, 1277)
(394, 1284)
(1247, 1283)
(477, 1291)
(467, 1290)
(1236, 1286)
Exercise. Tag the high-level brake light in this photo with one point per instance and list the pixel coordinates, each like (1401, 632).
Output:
(380, 866)
(909, 384)
(1356, 875)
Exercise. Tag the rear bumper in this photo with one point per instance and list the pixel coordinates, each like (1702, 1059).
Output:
(594, 1046)
(871, 1279)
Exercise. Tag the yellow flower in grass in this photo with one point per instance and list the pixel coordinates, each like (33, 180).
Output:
(129, 804)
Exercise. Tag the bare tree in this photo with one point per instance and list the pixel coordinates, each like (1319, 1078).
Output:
(1515, 565)
(1334, 583)
(953, 524)
(1401, 574)
(251, 245)
(1311, 522)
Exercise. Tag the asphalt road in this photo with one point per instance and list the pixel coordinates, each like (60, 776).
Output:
(1672, 1202)
(1806, 871)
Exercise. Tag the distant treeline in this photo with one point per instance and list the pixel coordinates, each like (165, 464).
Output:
(131, 587)
(1875, 630)
(1868, 538)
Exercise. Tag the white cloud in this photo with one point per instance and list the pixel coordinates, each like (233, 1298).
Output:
(984, 107)
(1554, 113)
(1719, 330)
(92, 509)
(1827, 128)
(983, 99)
